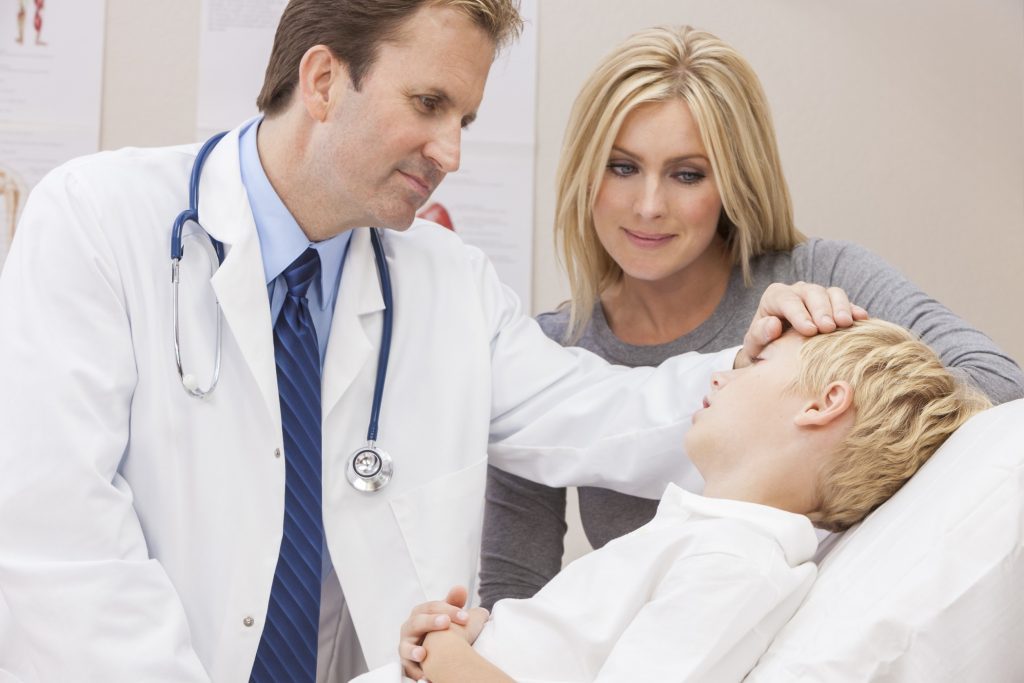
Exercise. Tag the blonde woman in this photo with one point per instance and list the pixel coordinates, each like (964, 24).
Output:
(673, 216)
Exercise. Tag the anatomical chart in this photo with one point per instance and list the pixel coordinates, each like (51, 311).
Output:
(51, 60)
(488, 202)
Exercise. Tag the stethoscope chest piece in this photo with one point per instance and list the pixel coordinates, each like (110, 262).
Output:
(369, 468)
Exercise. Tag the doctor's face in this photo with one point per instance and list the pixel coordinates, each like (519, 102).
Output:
(389, 144)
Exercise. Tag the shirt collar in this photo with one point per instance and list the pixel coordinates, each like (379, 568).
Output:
(794, 533)
(281, 238)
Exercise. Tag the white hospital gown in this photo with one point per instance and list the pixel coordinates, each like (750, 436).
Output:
(697, 594)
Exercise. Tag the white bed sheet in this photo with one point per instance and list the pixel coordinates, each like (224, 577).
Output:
(930, 587)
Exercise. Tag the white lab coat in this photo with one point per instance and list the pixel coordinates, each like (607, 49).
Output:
(141, 527)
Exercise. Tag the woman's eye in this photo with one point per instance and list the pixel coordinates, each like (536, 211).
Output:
(428, 103)
(689, 177)
(621, 169)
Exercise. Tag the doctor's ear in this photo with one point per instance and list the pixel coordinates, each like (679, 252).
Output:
(834, 403)
(320, 75)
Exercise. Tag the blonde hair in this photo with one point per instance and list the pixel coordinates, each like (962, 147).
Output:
(907, 403)
(725, 98)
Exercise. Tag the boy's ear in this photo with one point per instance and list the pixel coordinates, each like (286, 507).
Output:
(834, 403)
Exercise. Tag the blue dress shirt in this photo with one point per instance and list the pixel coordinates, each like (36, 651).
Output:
(282, 240)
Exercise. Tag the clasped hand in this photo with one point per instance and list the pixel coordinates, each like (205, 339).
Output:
(438, 615)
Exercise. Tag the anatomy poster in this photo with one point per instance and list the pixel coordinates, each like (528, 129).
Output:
(489, 202)
(51, 61)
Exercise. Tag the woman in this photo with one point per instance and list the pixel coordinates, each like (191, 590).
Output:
(673, 216)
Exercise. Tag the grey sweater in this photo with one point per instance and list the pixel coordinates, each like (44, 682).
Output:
(524, 522)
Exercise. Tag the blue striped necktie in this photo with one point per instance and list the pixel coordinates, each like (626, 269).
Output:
(288, 647)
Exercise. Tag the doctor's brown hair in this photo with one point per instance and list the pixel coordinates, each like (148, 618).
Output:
(906, 405)
(353, 31)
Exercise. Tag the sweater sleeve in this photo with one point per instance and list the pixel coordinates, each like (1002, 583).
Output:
(887, 294)
(522, 545)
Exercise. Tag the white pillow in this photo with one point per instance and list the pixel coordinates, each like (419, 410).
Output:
(930, 587)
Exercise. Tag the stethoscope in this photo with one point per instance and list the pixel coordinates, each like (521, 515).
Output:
(370, 467)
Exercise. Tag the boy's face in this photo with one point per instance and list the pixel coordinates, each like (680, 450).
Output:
(747, 405)
(746, 435)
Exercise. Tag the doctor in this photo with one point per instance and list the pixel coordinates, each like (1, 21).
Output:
(150, 535)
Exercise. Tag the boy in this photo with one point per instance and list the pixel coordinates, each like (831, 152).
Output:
(817, 431)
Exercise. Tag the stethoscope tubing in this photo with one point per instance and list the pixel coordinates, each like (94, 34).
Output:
(191, 387)
(385, 337)
(192, 212)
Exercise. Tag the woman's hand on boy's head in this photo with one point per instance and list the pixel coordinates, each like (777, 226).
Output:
(436, 615)
(807, 308)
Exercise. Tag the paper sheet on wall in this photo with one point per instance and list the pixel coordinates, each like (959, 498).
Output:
(489, 202)
(51, 70)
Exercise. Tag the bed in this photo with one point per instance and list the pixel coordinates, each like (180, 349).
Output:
(930, 587)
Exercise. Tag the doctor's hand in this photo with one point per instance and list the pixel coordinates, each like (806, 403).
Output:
(433, 616)
(809, 309)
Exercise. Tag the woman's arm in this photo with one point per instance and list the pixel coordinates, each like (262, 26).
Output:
(887, 294)
(524, 524)
(451, 659)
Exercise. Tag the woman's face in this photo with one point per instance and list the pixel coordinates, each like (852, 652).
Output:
(656, 212)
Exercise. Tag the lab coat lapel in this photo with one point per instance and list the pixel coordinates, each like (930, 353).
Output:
(350, 348)
(239, 283)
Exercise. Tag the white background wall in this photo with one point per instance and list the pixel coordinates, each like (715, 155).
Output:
(901, 124)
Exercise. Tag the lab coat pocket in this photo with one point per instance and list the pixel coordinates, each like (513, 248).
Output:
(440, 522)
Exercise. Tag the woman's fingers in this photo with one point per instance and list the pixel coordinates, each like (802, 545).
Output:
(808, 308)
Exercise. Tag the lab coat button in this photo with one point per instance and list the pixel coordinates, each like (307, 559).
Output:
(277, 452)
(248, 621)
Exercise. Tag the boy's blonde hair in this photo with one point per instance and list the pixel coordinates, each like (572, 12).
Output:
(907, 403)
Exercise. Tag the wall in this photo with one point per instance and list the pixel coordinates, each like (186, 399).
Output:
(150, 72)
